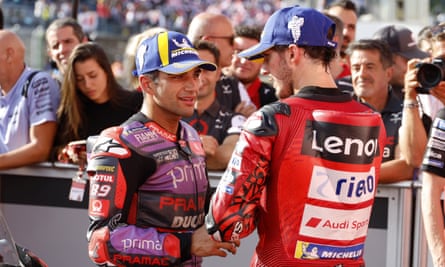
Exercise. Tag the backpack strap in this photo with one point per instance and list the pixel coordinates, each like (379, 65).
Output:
(27, 83)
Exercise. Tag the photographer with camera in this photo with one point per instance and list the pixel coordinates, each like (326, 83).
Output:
(422, 140)
(422, 101)
(424, 96)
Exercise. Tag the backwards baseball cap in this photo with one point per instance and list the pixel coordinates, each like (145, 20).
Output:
(400, 40)
(294, 25)
(170, 52)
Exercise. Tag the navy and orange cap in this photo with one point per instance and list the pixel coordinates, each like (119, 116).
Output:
(170, 52)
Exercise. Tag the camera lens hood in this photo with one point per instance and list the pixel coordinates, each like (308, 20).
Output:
(429, 75)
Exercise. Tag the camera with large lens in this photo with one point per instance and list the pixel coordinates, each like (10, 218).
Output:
(430, 75)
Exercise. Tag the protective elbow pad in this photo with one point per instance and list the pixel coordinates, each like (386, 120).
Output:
(263, 122)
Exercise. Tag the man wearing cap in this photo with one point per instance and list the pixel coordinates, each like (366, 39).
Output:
(148, 182)
(401, 41)
(305, 169)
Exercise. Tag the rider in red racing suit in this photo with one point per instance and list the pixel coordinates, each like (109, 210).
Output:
(304, 172)
(148, 192)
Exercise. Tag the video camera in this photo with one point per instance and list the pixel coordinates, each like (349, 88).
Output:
(430, 75)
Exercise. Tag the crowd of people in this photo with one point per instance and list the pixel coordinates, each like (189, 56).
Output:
(124, 17)
(334, 114)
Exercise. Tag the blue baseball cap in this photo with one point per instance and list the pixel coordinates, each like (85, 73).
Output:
(293, 25)
(170, 52)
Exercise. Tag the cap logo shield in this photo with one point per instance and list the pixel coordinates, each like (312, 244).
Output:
(184, 49)
(295, 25)
(184, 43)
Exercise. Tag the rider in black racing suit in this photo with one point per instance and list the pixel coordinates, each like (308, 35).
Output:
(148, 193)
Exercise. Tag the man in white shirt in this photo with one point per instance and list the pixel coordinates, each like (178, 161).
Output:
(28, 107)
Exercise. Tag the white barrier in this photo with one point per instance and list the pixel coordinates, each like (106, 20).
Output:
(390, 244)
(421, 255)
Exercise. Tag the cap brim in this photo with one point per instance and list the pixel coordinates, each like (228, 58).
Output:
(181, 67)
(255, 51)
(415, 53)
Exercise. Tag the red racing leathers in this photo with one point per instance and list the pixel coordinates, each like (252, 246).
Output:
(148, 193)
(304, 172)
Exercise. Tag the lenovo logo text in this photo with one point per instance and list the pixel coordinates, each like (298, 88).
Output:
(341, 143)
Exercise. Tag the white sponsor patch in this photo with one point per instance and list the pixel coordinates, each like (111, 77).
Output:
(235, 162)
(334, 224)
(342, 187)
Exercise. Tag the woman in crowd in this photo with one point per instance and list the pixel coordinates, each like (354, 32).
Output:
(91, 98)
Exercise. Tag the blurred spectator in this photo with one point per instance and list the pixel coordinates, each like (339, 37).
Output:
(65, 9)
(437, 41)
(218, 29)
(89, 21)
(218, 127)
(248, 71)
(62, 35)
(29, 100)
(336, 65)
(118, 70)
(346, 11)
(103, 12)
(92, 99)
(371, 71)
(43, 11)
(424, 39)
(403, 47)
